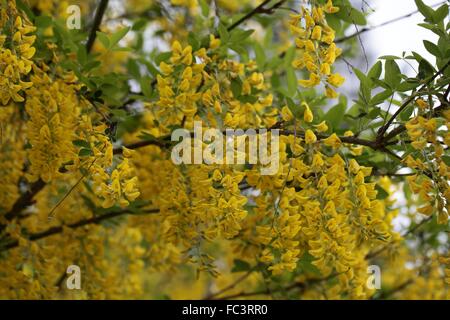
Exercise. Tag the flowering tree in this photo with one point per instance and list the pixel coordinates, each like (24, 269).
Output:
(91, 91)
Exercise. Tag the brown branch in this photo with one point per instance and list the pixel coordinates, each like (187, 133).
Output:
(389, 293)
(384, 128)
(256, 10)
(96, 25)
(303, 285)
(435, 112)
(231, 286)
(25, 200)
(59, 229)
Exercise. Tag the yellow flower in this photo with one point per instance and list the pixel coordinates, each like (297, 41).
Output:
(332, 141)
(336, 80)
(321, 127)
(316, 33)
(286, 114)
(213, 42)
(307, 115)
(313, 81)
(310, 137)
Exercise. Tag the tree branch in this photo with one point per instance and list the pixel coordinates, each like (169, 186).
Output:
(435, 112)
(257, 10)
(96, 25)
(384, 128)
(303, 285)
(59, 229)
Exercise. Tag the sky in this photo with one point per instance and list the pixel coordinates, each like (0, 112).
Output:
(392, 39)
(404, 35)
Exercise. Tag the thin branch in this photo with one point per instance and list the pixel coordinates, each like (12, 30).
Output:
(366, 29)
(411, 230)
(229, 287)
(391, 292)
(96, 25)
(25, 200)
(59, 229)
(435, 112)
(384, 128)
(303, 285)
(256, 10)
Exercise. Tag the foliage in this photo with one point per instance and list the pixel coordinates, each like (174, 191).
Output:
(86, 117)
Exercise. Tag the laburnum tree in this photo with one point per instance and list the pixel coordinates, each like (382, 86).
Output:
(87, 109)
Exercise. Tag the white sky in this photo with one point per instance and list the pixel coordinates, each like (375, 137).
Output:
(404, 35)
(393, 39)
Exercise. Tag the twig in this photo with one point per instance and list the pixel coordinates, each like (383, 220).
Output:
(231, 286)
(258, 9)
(59, 229)
(359, 32)
(384, 128)
(371, 255)
(96, 25)
(296, 285)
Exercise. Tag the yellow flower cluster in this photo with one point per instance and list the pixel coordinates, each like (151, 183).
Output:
(52, 107)
(122, 187)
(324, 207)
(11, 156)
(16, 51)
(114, 182)
(432, 179)
(318, 52)
(188, 90)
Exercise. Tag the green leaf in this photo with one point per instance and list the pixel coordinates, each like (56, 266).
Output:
(22, 6)
(441, 13)
(425, 69)
(349, 14)
(117, 36)
(381, 194)
(373, 114)
(164, 56)
(335, 115)
(139, 24)
(389, 57)
(407, 112)
(146, 86)
(260, 56)
(375, 71)
(240, 265)
(239, 35)
(291, 81)
(193, 41)
(425, 10)
(446, 160)
(85, 152)
(82, 55)
(365, 85)
(204, 6)
(133, 68)
(103, 38)
(432, 48)
(289, 57)
(380, 97)
(392, 74)
(81, 143)
(43, 22)
(236, 87)
(223, 33)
